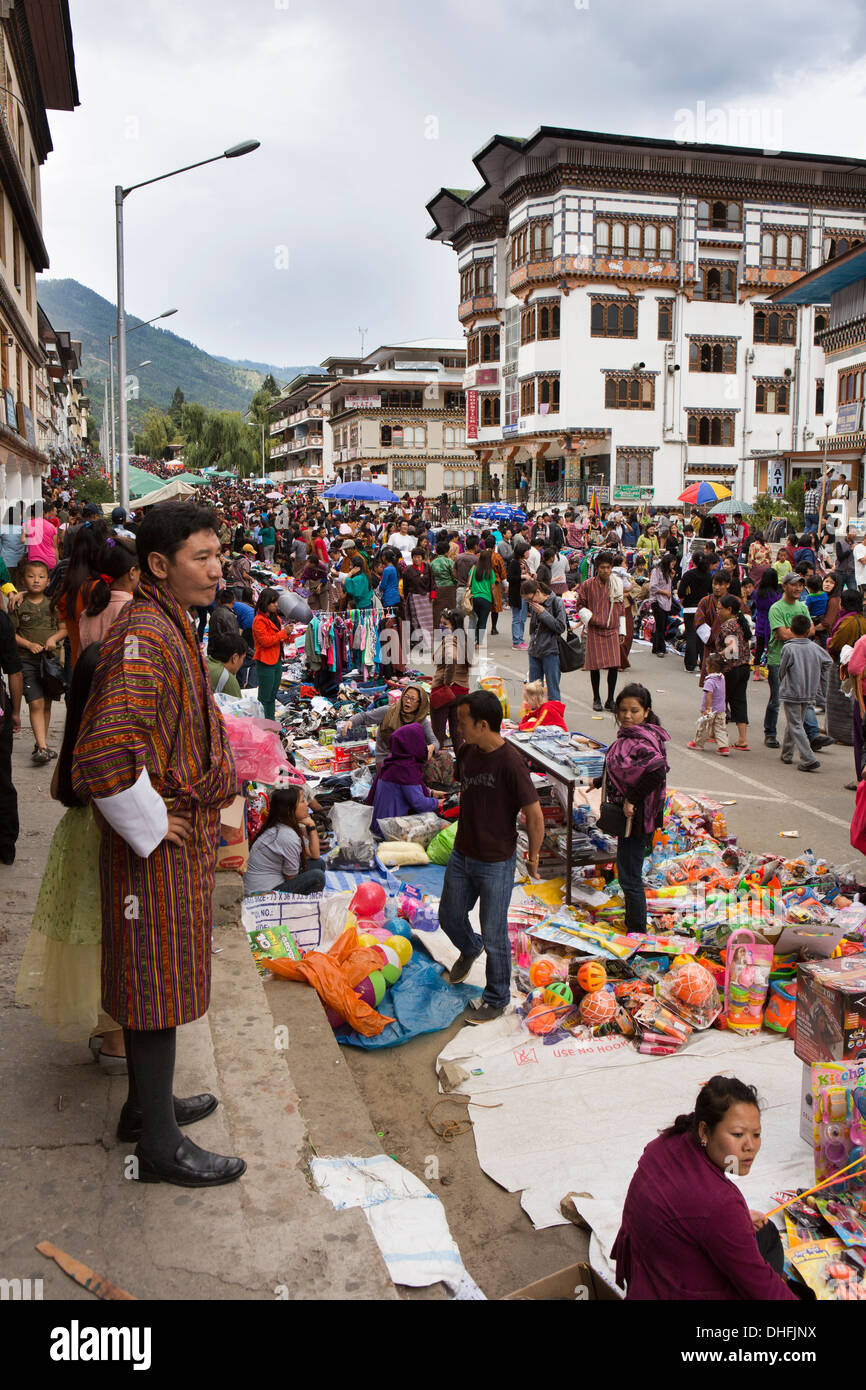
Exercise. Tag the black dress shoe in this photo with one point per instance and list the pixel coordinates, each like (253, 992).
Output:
(460, 969)
(190, 1167)
(7, 854)
(608, 704)
(596, 704)
(772, 742)
(187, 1110)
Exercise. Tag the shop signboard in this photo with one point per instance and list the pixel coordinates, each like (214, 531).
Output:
(848, 417)
(362, 403)
(471, 414)
(631, 492)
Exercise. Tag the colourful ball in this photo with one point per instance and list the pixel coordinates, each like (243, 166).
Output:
(377, 980)
(366, 991)
(558, 993)
(402, 947)
(542, 971)
(391, 956)
(336, 1020)
(597, 1008)
(365, 939)
(398, 926)
(592, 976)
(541, 1019)
(368, 900)
(693, 984)
(392, 973)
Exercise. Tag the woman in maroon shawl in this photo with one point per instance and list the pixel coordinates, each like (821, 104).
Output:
(635, 769)
(687, 1233)
(399, 786)
(417, 596)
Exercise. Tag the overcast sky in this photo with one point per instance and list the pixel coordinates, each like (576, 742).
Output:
(341, 97)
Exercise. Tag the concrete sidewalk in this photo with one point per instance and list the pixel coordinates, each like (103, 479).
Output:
(268, 1236)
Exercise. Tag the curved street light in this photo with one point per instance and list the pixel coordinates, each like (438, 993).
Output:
(120, 193)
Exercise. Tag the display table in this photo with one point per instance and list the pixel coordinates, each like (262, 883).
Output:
(570, 779)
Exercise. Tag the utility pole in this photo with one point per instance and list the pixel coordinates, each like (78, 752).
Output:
(105, 440)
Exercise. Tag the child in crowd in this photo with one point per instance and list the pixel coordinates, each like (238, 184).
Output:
(816, 599)
(225, 657)
(711, 724)
(37, 630)
(801, 678)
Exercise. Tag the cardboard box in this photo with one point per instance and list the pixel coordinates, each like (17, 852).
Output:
(831, 1010)
(576, 1283)
(831, 1086)
(233, 852)
(807, 1105)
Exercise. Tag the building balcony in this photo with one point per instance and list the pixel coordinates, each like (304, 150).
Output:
(312, 441)
(477, 304)
(280, 426)
(533, 273)
(309, 412)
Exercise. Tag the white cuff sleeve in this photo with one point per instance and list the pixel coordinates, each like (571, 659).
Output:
(138, 815)
(622, 628)
(584, 614)
(704, 631)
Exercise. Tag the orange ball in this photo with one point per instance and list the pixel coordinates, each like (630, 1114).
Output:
(597, 1008)
(693, 984)
(542, 971)
(541, 1019)
(592, 976)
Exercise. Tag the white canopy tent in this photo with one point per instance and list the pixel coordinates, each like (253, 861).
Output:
(175, 488)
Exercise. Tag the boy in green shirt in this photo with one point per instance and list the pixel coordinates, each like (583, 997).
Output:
(225, 657)
(780, 616)
(37, 630)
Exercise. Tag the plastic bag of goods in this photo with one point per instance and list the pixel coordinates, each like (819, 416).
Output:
(257, 751)
(418, 829)
(351, 823)
(440, 847)
(690, 990)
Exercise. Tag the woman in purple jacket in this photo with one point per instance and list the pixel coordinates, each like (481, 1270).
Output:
(768, 592)
(686, 1233)
(399, 786)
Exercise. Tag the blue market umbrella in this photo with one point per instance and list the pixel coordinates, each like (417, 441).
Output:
(361, 492)
(499, 511)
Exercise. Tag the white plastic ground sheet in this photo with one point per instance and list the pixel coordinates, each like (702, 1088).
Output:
(407, 1221)
(574, 1117)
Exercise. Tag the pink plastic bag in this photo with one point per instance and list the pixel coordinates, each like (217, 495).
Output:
(257, 750)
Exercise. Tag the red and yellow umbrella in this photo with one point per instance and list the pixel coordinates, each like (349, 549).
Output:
(698, 494)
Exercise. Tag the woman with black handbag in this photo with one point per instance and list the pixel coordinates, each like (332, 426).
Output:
(633, 794)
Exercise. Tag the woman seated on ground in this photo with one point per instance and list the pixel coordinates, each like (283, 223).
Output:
(540, 710)
(285, 855)
(413, 707)
(398, 789)
(686, 1231)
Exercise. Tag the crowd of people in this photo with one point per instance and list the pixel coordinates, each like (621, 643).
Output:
(140, 619)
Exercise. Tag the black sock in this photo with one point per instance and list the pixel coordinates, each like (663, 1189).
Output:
(611, 683)
(131, 1093)
(151, 1054)
(595, 681)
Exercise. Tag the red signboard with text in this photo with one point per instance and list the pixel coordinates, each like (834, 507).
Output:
(471, 414)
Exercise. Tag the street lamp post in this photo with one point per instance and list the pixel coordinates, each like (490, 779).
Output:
(120, 193)
(111, 341)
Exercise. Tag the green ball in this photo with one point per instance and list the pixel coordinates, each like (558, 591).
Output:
(377, 980)
(392, 973)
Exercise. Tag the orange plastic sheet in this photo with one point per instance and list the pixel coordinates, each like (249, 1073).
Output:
(333, 975)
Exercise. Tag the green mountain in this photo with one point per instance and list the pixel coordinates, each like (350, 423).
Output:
(217, 383)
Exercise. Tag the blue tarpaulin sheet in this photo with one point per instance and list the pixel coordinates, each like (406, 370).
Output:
(421, 1002)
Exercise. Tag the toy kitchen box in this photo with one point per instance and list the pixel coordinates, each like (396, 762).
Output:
(831, 1010)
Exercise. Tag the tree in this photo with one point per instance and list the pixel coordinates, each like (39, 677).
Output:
(93, 488)
(175, 410)
(218, 438)
(92, 433)
(156, 434)
(270, 385)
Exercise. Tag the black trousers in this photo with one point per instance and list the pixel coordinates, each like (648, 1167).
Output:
(660, 627)
(694, 646)
(8, 794)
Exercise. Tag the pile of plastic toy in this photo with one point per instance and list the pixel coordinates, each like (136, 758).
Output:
(726, 932)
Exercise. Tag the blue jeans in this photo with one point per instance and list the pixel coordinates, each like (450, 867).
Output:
(518, 622)
(312, 880)
(630, 853)
(466, 881)
(810, 523)
(548, 668)
(771, 716)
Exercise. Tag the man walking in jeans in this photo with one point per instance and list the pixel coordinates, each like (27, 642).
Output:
(780, 615)
(495, 785)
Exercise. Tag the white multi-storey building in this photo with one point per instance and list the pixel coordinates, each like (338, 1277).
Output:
(614, 292)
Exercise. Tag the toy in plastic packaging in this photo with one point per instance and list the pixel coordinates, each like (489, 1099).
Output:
(846, 1213)
(747, 978)
(830, 1270)
(656, 1017)
(691, 991)
(351, 823)
(781, 1010)
(360, 786)
(839, 1118)
(272, 943)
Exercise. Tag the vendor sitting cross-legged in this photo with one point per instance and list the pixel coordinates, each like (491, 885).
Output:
(399, 786)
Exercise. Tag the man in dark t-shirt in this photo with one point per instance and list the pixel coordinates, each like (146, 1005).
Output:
(494, 786)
